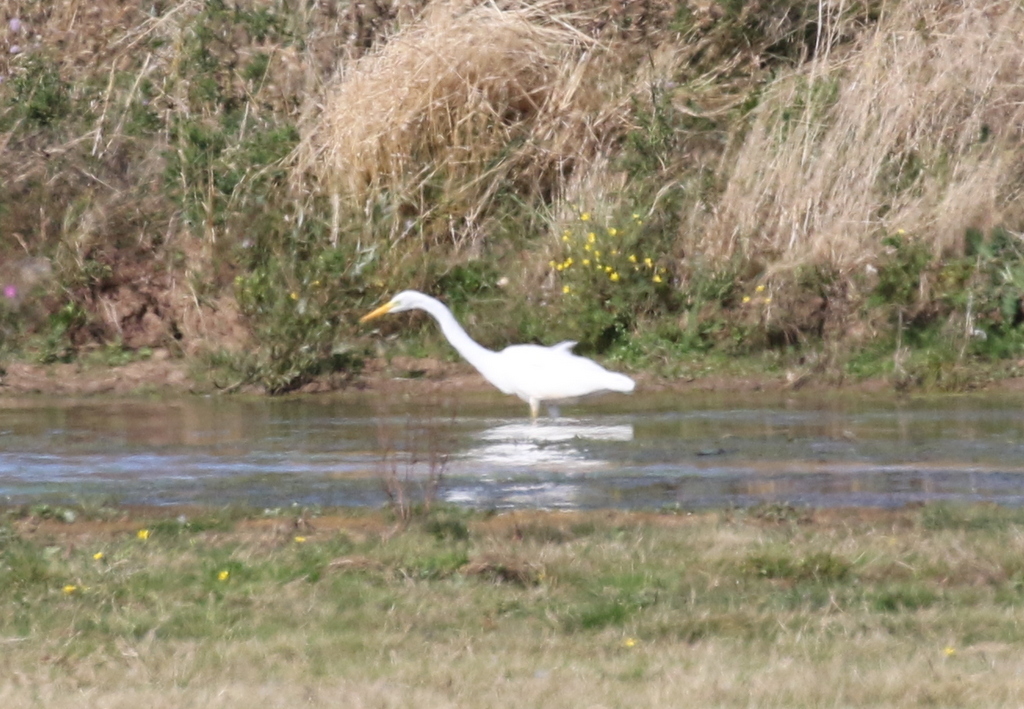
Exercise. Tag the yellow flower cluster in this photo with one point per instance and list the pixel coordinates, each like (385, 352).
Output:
(607, 252)
(561, 266)
(765, 299)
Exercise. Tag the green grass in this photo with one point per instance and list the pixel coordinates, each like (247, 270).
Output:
(922, 606)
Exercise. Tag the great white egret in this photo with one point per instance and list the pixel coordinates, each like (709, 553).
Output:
(536, 374)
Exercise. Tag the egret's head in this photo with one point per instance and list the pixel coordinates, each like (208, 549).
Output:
(406, 300)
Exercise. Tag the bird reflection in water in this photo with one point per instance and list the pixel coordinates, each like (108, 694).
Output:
(559, 444)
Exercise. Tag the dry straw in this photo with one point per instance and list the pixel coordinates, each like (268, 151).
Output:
(919, 128)
(460, 105)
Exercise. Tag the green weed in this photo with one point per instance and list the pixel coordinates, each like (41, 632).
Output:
(941, 516)
(818, 567)
(902, 598)
(39, 94)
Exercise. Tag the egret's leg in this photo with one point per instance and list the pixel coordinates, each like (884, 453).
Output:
(534, 408)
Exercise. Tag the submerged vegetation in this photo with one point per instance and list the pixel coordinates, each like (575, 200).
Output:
(830, 188)
(770, 606)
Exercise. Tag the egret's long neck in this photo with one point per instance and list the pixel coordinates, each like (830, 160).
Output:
(475, 354)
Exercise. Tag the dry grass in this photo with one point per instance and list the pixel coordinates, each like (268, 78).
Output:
(918, 127)
(470, 101)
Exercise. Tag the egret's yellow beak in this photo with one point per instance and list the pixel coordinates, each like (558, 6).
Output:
(382, 310)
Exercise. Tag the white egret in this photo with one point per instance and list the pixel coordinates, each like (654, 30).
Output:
(536, 374)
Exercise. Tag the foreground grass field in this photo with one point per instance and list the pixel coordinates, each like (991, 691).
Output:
(765, 607)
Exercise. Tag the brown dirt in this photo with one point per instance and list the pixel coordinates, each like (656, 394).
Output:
(159, 373)
(415, 377)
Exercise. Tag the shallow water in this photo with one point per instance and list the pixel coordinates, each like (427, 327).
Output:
(645, 451)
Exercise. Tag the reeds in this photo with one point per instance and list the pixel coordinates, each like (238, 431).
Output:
(918, 127)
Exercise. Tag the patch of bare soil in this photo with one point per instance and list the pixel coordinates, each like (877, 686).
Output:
(160, 373)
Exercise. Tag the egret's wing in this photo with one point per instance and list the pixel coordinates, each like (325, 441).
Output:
(564, 346)
(552, 373)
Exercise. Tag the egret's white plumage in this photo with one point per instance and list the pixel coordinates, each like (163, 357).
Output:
(536, 374)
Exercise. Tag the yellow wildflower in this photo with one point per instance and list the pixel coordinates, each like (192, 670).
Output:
(759, 289)
(98, 555)
(587, 247)
(612, 231)
(632, 258)
(597, 254)
(551, 263)
(300, 540)
(316, 283)
(614, 277)
(648, 262)
(615, 252)
(565, 238)
(560, 267)
(568, 262)
(293, 295)
(142, 534)
(657, 278)
(635, 215)
(950, 651)
(591, 237)
(767, 300)
(607, 269)
(70, 588)
(746, 299)
(566, 290)
(629, 642)
(223, 575)
(586, 262)
(585, 217)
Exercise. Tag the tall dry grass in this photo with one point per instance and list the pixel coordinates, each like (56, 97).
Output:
(919, 127)
(452, 110)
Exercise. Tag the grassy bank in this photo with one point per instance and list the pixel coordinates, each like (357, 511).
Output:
(825, 189)
(766, 607)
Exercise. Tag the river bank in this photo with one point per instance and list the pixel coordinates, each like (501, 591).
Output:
(663, 182)
(161, 374)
